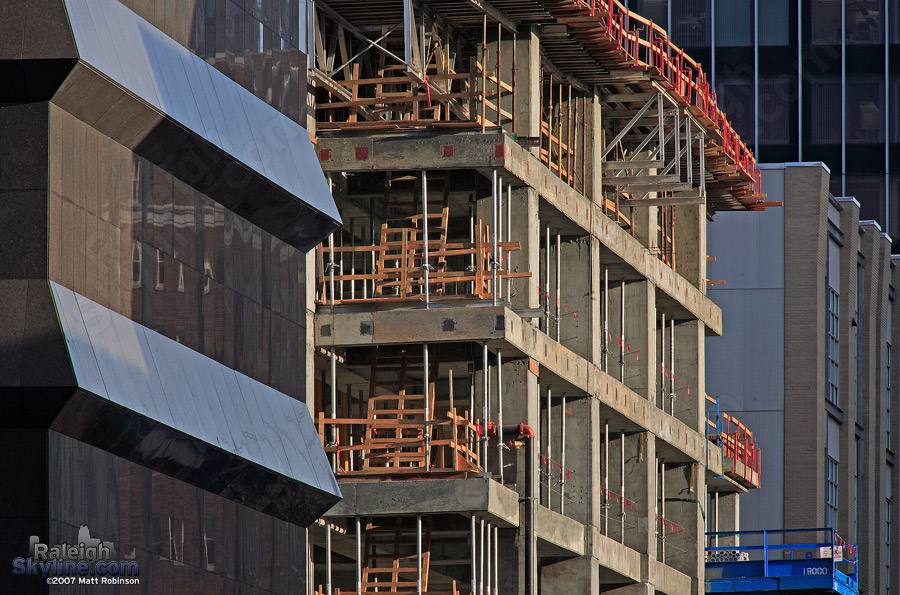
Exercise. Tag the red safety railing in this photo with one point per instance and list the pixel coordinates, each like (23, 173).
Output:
(739, 445)
(646, 45)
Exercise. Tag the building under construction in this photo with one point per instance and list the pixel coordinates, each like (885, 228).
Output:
(508, 329)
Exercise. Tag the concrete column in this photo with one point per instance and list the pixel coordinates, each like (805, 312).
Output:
(528, 84)
(640, 335)
(593, 148)
(526, 231)
(583, 443)
(640, 493)
(596, 305)
(520, 406)
(729, 517)
(690, 367)
(577, 328)
(645, 222)
(685, 495)
(690, 244)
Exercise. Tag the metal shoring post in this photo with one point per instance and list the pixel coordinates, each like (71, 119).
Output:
(331, 269)
(352, 257)
(334, 432)
(427, 407)
(485, 404)
(372, 238)
(494, 238)
(472, 241)
(605, 350)
(498, 266)
(481, 558)
(425, 264)
(358, 557)
(716, 517)
(662, 366)
(672, 366)
(558, 318)
(562, 457)
(500, 445)
(662, 497)
(327, 558)
(547, 284)
(487, 558)
(508, 239)
(622, 483)
(473, 554)
(419, 554)
(549, 449)
(622, 334)
(471, 433)
(606, 478)
(496, 560)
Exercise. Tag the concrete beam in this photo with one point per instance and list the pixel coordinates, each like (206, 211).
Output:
(614, 556)
(503, 328)
(435, 496)
(557, 530)
(670, 581)
(487, 151)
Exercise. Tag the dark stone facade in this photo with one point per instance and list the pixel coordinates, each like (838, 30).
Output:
(126, 181)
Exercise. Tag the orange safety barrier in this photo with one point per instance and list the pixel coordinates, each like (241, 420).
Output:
(739, 445)
(646, 46)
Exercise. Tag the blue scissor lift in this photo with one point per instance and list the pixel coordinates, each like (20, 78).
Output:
(793, 568)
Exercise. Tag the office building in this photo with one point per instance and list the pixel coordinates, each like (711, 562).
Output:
(156, 214)
(807, 361)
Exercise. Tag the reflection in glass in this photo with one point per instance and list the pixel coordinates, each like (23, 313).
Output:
(690, 23)
(734, 23)
(773, 22)
(825, 103)
(864, 21)
(825, 20)
(864, 99)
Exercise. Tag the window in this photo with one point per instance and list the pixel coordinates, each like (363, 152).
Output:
(832, 459)
(774, 20)
(825, 102)
(869, 191)
(831, 493)
(864, 120)
(735, 98)
(775, 97)
(833, 345)
(825, 18)
(209, 542)
(864, 21)
(889, 497)
(887, 379)
(734, 23)
(654, 10)
(136, 260)
(690, 23)
(160, 270)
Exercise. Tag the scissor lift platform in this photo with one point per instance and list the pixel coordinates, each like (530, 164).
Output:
(825, 565)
